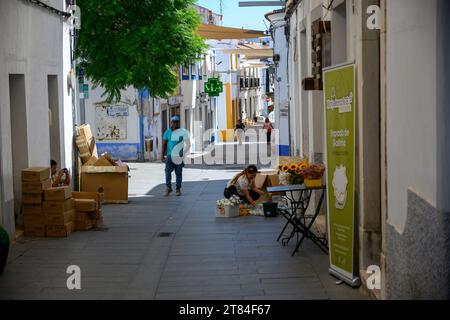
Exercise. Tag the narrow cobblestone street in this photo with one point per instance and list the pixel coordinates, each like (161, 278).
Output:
(202, 258)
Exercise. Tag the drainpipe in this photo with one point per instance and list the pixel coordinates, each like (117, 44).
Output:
(141, 94)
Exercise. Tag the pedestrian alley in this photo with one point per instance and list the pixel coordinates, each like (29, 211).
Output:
(172, 248)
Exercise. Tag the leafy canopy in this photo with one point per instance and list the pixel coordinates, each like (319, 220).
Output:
(137, 43)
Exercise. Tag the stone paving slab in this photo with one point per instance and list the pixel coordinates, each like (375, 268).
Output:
(204, 258)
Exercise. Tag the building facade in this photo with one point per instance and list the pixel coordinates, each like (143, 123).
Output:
(280, 79)
(36, 111)
(401, 189)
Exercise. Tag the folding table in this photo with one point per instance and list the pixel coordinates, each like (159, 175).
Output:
(299, 197)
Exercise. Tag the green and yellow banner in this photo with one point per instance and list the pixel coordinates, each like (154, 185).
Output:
(340, 113)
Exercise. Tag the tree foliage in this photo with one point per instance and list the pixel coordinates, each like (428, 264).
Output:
(137, 43)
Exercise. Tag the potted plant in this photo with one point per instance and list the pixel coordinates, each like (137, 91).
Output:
(228, 208)
(313, 175)
(291, 174)
(4, 248)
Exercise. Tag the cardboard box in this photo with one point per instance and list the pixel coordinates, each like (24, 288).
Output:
(86, 205)
(60, 218)
(33, 219)
(98, 222)
(60, 230)
(34, 230)
(36, 174)
(32, 198)
(98, 197)
(84, 225)
(32, 209)
(98, 214)
(58, 194)
(112, 180)
(84, 216)
(36, 186)
(55, 207)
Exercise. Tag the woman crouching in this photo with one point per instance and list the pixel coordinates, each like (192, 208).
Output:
(243, 185)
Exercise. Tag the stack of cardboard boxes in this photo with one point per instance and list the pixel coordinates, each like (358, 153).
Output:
(56, 212)
(88, 206)
(59, 212)
(34, 182)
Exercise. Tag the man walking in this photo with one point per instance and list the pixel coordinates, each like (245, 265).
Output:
(176, 144)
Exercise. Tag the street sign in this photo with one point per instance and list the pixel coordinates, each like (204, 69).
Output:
(117, 111)
(214, 87)
(85, 89)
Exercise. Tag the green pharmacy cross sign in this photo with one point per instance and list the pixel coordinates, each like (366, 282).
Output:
(213, 87)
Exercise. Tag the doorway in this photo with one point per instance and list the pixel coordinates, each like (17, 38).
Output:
(304, 95)
(54, 126)
(164, 120)
(19, 141)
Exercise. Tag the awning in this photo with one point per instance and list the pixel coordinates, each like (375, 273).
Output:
(252, 53)
(211, 31)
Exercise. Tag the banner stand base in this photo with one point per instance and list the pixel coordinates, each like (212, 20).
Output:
(354, 282)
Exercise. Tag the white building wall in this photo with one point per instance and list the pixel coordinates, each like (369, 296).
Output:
(281, 94)
(32, 44)
(129, 98)
(411, 104)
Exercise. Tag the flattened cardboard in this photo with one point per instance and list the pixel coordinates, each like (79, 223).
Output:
(91, 161)
(86, 205)
(59, 219)
(58, 194)
(36, 186)
(32, 209)
(32, 198)
(60, 231)
(93, 148)
(36, 174)
(85, 131)
(260, 180)
(55, 207)
(103, 162)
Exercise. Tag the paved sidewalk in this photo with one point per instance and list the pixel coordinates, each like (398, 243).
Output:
(202, 258)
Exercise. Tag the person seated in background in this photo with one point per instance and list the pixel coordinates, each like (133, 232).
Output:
(243, 185)
(59, 178)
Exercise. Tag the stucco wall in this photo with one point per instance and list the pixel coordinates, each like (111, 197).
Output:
(411, 104)
(125, 149)
(32, 44)
(281, 87)
(417, 246)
